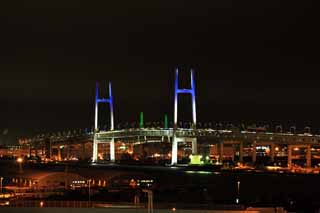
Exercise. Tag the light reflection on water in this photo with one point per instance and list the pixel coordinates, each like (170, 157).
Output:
(202, 172)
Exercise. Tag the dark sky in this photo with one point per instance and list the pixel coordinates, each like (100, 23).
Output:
(254, 61)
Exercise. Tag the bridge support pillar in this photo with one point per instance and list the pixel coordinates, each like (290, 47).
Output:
(95, 151)
(50, 151)
(112, 151)
(241, 152)
(68, 151)
(95, 143)
(254, 152)
(59, 154)
(272, 152)
(83, 151)
(194, 146)
(233, 151)
(308, 156)
(36, 152)
(174, 153)
(221, 151)
(289, 150)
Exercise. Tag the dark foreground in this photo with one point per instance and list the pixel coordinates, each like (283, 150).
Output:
(181, 187)
(119, 210)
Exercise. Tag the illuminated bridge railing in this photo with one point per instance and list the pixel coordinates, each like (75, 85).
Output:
(134, 133)
(153, 133)
(160, 133)
(224, 135)
(219, 134)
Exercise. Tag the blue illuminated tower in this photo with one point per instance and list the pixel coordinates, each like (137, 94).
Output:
(110, 102)
(177, 91)
(103, 100)
(190, 91)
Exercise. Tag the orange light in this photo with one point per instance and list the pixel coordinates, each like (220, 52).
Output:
(41, 204)
(267, 150)
(174, 209)
(19, 160)
(133, 183)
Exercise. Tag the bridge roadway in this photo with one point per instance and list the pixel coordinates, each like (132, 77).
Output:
(219, 135)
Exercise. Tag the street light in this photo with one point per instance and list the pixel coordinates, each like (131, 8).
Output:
(238, 191)
(89, 191)
(1, 179)
(150, 199)
(20, 161)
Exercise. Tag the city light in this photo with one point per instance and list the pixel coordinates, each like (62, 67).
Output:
(156, 155)
(123, 147)
(19, 160)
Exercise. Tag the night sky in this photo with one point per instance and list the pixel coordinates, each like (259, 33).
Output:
(254, 61)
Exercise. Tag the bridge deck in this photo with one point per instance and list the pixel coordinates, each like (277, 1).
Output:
(210, 134)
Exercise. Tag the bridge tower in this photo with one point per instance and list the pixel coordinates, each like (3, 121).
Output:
(177, 91)
(96, 128)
